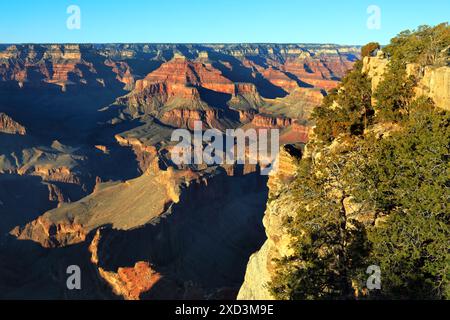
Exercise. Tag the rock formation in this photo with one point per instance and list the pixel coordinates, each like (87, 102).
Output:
(147, 196)
(261, 265)
(8, 125)
(131, 282)
(375, 67)
(433, 82)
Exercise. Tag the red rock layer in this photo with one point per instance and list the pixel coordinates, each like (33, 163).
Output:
(274, 76)
(320, 72)
(245, 88)
(144, 154)
(131, 282)
(179, 75)
(138, 279)
(280, 79)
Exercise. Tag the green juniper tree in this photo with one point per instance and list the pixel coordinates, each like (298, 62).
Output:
(402, 178)
(347, 110)
(407, 179)
(329, 248)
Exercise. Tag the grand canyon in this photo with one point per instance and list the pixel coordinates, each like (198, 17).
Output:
(93, 205)
(224, 159)
(85, 173)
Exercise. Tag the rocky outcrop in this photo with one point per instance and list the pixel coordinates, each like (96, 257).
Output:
(181, 70)
(127, 282)
(145, 154)
(52, 173)
(131, 282)
(246, 97)
(433, 82)
(8, 125)
(124, 73)
(375, 67)
(55, 194)
(279, 79)
(280, 205)
(51, 234)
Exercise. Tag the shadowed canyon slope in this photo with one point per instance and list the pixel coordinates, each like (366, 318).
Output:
(85, 171)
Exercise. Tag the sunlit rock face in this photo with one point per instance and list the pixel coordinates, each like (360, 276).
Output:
(8, 125)
(261, 265)
(432, 81)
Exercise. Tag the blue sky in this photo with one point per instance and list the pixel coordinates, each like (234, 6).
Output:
(200, 21)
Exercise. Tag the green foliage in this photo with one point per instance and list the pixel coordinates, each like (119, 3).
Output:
(397, 172)
(369, 49)
(394, 94)
(411, 250)
(407, 178)
(330, 249)
(426, 45)
(420, 150)
(346, 110)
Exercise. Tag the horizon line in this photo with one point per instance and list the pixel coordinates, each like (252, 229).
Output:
(183, 43)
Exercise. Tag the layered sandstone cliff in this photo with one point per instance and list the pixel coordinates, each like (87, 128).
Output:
(131, 282)
(432, 82)
(375, 67)
(178, 79)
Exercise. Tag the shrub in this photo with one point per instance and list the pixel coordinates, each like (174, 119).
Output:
(369, 49)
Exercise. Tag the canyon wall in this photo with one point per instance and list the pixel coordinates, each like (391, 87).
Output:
(280, 205)
(432, 82)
